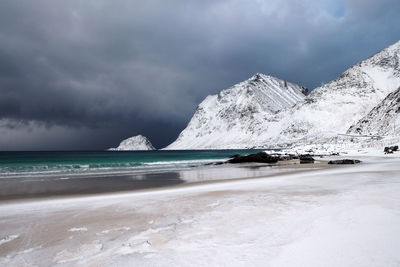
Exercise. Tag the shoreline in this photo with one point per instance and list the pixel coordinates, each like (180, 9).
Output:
(170, 179)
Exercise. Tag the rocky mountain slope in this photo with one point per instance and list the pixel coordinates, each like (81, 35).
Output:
(236, 119)
(333, 108)
(138, 142)
(384, 119)
(229, 119)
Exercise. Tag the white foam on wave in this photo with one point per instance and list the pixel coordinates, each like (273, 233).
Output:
(119, 169)
(78, 229)
(8, 238)
(185, 162)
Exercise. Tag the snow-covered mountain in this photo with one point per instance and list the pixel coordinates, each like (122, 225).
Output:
(245, 117)
(138, 142)
(384, 119)
(331, 109)
(229, 119)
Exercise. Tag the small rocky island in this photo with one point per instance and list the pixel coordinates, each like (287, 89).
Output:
(135, 143)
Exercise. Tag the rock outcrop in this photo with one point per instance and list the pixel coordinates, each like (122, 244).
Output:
(134, 143)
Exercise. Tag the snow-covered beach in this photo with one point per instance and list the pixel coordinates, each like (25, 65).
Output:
(340, 216)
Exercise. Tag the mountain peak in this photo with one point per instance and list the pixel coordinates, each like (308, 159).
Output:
(388, 59)
(256, 76)
(395, 46)
(259, 77)
(262, 77)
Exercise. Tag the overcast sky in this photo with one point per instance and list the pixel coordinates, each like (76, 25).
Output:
(84, 74)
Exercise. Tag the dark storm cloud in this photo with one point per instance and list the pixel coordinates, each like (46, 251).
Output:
(84, 74)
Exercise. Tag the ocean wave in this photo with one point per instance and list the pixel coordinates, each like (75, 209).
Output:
(98, 168)
(184, 162)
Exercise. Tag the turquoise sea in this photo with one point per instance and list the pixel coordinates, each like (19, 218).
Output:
(66, 163)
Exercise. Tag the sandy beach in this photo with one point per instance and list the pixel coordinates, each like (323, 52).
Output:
(89, 184)
(311, 216)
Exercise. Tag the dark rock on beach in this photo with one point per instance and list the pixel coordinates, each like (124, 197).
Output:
(304, 159)
(215, 163)
(345, 161)
(390, 149)
(261, 157)
(282, 157)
